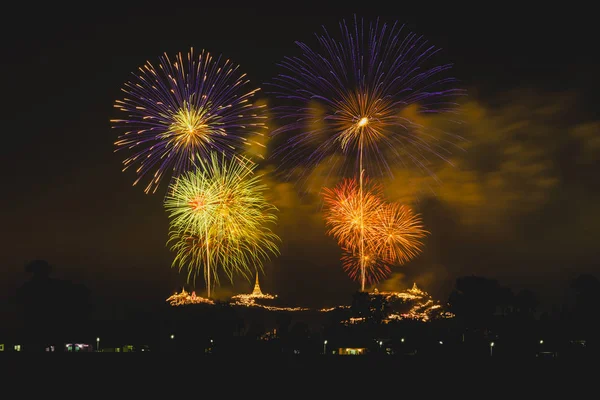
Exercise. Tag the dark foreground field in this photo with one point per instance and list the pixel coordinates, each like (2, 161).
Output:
(346, 371)
(153, 375)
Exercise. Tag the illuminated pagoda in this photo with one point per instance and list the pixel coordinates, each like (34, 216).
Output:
(257, 292)
(249, 299)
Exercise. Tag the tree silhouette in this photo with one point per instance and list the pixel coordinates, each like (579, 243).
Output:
(226, 321)
(587, 290)
(379, 309)
(40, 269)
(475, 300)
(361, 304)
(283, 321)
(299, 337)
(525, 304)
(53, 311)
(587, 305)
(506, 300)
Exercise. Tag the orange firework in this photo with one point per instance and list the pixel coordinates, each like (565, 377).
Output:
(398, 233)
(376, 268)
(374, 234)
(343, 209)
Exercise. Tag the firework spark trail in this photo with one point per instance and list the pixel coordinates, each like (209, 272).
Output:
(350, 96)
(189, 105)
(218, 216)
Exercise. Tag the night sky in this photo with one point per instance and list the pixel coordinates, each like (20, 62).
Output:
(521, 205)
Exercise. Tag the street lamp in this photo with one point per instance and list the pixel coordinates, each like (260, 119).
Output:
(402, 340)
(542, 341)
(172, 336)
(441, 342)
(97, 344)
(491, 349)
(325, 346)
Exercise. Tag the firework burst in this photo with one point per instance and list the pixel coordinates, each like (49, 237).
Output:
(348, 216)
(351, 96)
(357, 95)
(375, 267)
(186, 106)
(398, 233)
(218, 219)
(373, 234)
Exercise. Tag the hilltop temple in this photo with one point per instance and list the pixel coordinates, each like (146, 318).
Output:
(184, 297)
(412, 303)
(256, 294)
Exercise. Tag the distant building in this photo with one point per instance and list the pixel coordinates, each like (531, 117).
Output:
(352, 351)
(183, 298)
(9, 348)
(78, 347)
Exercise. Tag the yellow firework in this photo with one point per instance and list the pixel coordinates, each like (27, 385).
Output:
(219, 217)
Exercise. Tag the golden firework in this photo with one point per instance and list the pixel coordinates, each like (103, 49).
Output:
(218, 219)
(398, 233)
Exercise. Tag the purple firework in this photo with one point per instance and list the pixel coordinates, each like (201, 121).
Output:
(365, 96)
(185, 108)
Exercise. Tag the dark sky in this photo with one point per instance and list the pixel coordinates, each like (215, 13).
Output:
(522, 205)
